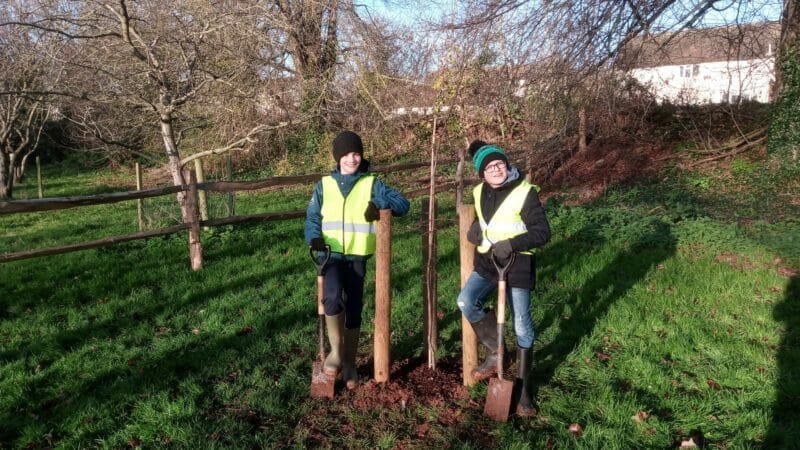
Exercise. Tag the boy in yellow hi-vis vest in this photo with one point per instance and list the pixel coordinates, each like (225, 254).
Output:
(510, 219)
(341, 215)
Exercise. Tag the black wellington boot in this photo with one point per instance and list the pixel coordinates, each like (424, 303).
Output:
(525, 406)
(486, 330)
(349, 351)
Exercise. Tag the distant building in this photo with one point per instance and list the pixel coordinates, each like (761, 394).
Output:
(728, 64)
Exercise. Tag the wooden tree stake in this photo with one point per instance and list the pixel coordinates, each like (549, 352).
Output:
(469, 341)
(383, 296)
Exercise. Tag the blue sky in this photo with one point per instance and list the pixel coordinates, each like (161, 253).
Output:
(749, 10)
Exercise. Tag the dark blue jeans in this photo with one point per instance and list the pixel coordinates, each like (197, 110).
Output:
(475, 292)
(344, 290)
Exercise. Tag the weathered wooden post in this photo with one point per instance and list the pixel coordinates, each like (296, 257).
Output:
(383, 296)
(229, 204)
(39, 177)
(428, 233)
(195, 246)
(582, 130)
(139, 201)
(201, 194)
(469, 341)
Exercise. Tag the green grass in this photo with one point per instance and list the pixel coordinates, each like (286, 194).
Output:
(653, 299)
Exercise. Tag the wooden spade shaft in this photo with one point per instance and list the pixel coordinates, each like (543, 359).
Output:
(322, 385)
(501, 321)
(321, 314)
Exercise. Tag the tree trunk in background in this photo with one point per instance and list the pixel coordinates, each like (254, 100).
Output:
(4, 175)
(790, 30)
(313, 43)
(784, 129)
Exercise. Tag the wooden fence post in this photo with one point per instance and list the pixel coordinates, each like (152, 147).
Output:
(383, 296)
(201, 194)
(469, 341)
(430, 327)
(582, 130)
(195, 246)
(139, 201)
(229, 204)
(39, 177)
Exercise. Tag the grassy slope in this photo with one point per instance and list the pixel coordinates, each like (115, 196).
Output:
(650, 300)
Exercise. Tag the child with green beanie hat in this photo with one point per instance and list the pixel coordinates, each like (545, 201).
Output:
(510, 221)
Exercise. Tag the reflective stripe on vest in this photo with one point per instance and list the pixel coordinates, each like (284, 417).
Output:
(507, 220)
(343, 225)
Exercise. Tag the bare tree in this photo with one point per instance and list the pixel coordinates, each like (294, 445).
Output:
(25, 74)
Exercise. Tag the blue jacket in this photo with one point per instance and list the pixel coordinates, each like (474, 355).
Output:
(383, 197)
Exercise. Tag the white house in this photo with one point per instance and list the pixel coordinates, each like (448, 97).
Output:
(714, 65)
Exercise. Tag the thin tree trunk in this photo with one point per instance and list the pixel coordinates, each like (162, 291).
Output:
(4, 194)
(188, 207)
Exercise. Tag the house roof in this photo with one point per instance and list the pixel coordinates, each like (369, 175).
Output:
(694, 46)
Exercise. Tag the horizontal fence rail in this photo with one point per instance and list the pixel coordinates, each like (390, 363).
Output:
(57, 203)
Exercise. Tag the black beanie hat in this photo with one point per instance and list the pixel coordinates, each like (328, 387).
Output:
(483, 154)
(346, 142)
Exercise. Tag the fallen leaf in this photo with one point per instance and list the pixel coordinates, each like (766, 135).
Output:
(132, 362)
(134, 442)
(713, 384)
(246, 329)
(423, 429)
(640, 417)
(576, 429)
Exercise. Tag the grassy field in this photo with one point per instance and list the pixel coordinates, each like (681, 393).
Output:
(666, 310)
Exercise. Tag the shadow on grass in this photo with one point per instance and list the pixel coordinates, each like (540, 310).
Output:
(592, 300)
(58, 393)
(784, 432)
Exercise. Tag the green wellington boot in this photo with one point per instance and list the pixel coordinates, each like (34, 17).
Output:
(333, 362)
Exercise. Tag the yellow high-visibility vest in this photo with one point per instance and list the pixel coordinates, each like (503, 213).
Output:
(343, 225)
(507, 220)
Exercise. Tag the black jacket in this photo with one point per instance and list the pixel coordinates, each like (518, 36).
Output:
(522, 273)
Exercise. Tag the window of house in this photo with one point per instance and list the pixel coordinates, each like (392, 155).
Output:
(690, 71)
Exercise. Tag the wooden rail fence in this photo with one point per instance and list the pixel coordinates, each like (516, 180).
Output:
(57, 203)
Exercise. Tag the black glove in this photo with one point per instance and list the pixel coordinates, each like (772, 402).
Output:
(475, 235)
(318, 244)
(502, 250)
(371, 214)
